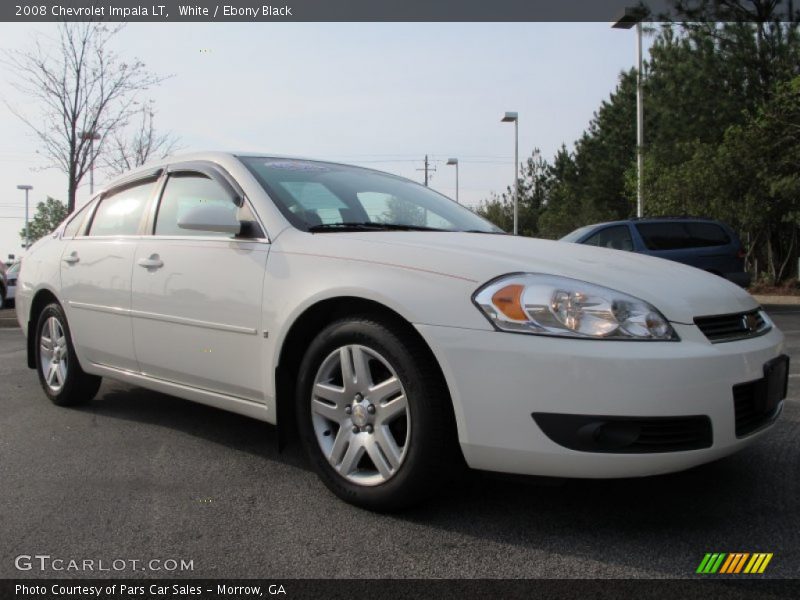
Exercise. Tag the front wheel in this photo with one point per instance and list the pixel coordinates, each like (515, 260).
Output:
(374, 415)
(62, 378)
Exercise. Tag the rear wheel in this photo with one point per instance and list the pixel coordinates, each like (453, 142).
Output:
(60, 374)
(374, 415)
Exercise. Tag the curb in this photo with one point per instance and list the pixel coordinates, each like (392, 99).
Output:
(777, 300)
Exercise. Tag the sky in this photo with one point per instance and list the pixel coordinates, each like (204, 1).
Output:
(381, 95)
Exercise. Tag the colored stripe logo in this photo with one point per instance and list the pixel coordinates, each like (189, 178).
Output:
(734, 563)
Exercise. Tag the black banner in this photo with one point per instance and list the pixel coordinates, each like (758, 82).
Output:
(368, 10)
(441, 589)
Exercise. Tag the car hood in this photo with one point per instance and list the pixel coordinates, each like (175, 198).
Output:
(680, 292)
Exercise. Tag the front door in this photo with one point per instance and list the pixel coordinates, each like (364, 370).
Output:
(196, 303)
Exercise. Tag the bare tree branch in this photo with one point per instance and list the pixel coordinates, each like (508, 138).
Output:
(139, 142)
(77, 88)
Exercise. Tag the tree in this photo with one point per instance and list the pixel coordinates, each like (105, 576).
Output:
(130, 149)
(78, 88)
(499, 209)
(49, 215)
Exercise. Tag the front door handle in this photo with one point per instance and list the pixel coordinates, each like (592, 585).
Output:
(153, 262)
(71, 258)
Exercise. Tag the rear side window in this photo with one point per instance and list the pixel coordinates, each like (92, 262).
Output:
(121, 212)
(677, 236)
(616, 238)
(75, 225)
(707, 234)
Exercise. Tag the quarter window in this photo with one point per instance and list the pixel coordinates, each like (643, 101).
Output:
(184, 192)
(121, 212)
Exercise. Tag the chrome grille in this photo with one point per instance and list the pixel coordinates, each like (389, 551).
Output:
(738, 326)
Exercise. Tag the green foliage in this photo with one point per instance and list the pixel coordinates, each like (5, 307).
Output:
(533, 180)
(722, 138)
(49, 215)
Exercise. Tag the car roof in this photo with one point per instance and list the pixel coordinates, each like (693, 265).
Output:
(222, 158)
(645, 220)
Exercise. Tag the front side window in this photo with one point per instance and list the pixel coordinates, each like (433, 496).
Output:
(184, 192)
(316, 196)
(616, 238)
(120, 213)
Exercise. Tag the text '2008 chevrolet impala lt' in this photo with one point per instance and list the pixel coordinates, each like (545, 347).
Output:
(403, 334)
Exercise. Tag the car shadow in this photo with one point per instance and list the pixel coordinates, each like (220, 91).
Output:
(659, 525)
(120, 401)
(662, 524)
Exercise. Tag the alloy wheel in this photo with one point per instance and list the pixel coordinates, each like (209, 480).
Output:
(360, 415)
(53, 354)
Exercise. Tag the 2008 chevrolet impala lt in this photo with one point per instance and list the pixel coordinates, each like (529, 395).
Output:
(400, 332)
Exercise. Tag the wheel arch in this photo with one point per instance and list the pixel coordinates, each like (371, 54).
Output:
(40, 300)
(302, 332)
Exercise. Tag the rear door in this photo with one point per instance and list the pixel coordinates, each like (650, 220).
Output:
(96, 274)
(196, 295)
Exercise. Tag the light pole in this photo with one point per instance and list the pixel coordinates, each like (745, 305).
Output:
(27, 189)
(91, 136)
(630, 17)
(454, 161)
(512, 117)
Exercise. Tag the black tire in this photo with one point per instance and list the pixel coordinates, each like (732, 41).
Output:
(78, 387)
(432, 457)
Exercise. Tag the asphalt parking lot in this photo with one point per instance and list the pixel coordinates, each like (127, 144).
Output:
(137, 475)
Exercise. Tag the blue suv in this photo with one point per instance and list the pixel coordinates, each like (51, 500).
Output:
(702, 243)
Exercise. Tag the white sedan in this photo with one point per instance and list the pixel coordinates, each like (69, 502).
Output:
(402, 334)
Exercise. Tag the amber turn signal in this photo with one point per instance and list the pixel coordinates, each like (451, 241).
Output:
(508, 300)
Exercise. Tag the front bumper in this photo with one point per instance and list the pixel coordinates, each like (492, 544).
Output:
(498, 380)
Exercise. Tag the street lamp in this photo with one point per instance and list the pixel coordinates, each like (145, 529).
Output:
(454, 161)
(27, 189)
(91, 136)
(633, 16)
(512, 117)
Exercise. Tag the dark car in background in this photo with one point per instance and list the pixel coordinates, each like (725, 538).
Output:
(11, 283)
(703, 243)
(3, 287)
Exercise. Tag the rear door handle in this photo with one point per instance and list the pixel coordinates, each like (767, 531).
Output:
(71, 258)
(153, 262)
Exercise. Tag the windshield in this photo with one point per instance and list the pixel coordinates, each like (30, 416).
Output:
(320, 197)
(577, 234)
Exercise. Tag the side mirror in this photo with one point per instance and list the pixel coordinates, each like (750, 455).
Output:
(211, 217)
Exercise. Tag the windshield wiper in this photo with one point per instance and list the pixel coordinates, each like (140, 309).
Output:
(369, 226)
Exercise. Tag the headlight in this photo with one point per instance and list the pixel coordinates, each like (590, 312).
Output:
(559, 306)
